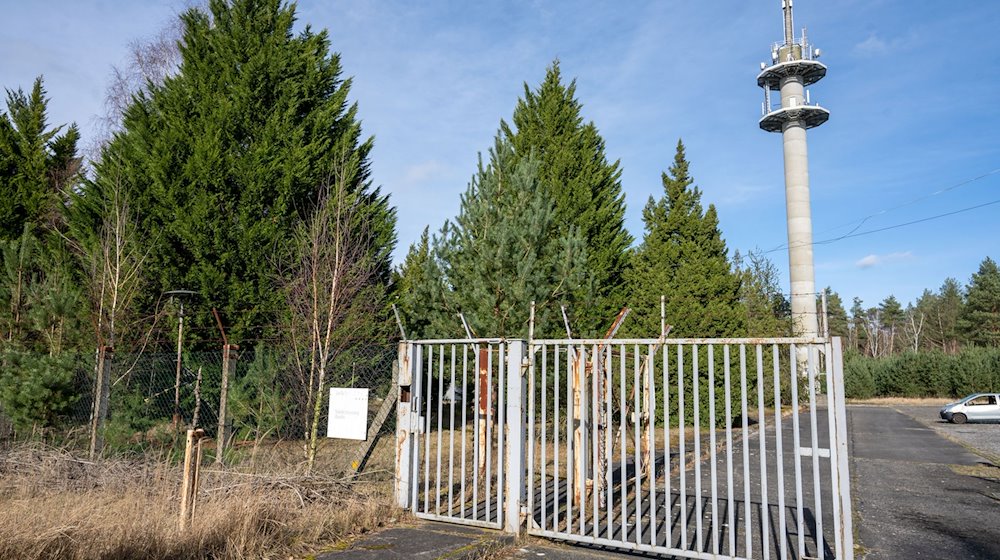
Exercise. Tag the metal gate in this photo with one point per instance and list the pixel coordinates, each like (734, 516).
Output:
(698, 448)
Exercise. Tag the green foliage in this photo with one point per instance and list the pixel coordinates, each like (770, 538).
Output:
(767, 310)
(503, 251)
(683, 257)
(586, 190)
(36, 390)
(260, 402)
(923, 374)
(37, 163)
(980, 318)
(223, 160)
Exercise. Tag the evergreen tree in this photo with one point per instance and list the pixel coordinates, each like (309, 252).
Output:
(585, 188)
(890, 313)
(228, 156)
(767, 310)
(683, 257)
(943, 310)
(37, 163)
(980, 319)
(502, 252)
(836, 314)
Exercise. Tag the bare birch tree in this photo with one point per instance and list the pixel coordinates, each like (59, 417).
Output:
(336, 294)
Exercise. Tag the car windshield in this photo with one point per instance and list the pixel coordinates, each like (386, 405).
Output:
(970, 397)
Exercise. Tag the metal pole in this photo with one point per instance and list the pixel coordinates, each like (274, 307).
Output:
(177, 382)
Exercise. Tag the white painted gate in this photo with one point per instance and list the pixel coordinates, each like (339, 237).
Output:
(698, 448)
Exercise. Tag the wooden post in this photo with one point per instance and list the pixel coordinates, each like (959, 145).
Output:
(102, 393)
(189, 480)
(222, 434)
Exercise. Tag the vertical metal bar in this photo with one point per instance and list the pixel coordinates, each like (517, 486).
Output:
(682, 444)
(815, 450)
(712, 449)
(427, 428)
(440, 413)
(417, 394)
(465, 405)
(556, 388)
(502, 429)
(404, 426)
(747, 515)
(793, 361)
(595, 441)
(832, 445)
(570, 466)
(844, 492)
(730, 501)
(608, 449)
(545, 431)
(696, 428)
(651, 434)
(637, 480)
(765, 512)
(622, 427)
(668, 513)
(514, 418)
(476, 436)
(531, 437)
(451, 437)
(778, 444)
(488, 490)
(580, 444)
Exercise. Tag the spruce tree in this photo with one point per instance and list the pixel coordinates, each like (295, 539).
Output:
(980, 319)
(227, 157)
(586, 190)
(37, 163)
(683, 257)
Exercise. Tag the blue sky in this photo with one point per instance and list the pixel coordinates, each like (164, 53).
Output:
(913, 87)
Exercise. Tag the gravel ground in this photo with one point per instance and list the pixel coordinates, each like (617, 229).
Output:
(984, 437)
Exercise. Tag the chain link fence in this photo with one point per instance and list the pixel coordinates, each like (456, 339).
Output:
(264, 398)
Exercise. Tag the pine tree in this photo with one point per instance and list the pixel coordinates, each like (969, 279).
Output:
(943, 310)
(767, 311)
(836, 314)
(980, 319)
(502, 252)
(37, 163)
(683, 257)
(586, 189)
(225, 159)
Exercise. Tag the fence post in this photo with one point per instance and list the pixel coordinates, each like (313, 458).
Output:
(404, 419)
(102, 393)
(517, 432)
(222, 435)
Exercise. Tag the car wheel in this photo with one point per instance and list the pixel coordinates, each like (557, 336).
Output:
(959, 418)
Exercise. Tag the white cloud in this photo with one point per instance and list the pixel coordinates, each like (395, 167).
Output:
(871, 47)
(420, 172)
(876, 260)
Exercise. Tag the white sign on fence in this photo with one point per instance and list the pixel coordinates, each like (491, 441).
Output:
(348, 414)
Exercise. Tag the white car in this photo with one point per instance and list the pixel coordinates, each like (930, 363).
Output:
(980, 407)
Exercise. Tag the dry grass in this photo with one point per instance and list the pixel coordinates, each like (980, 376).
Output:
(982, 470)
(54, 505)
(897, 401)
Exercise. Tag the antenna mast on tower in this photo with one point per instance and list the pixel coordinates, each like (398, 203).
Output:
(794, 66)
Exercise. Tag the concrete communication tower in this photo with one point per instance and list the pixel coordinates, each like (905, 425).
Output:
(794, 67)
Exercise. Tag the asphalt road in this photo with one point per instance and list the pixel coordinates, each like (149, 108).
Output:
(908, 500)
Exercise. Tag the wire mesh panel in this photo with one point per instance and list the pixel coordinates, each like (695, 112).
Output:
(714, 448)
(458, 428)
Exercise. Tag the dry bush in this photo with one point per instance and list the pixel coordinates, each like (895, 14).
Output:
(54, 505)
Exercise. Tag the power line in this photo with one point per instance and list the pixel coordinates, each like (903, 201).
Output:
(865, 219)
(895, 226)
